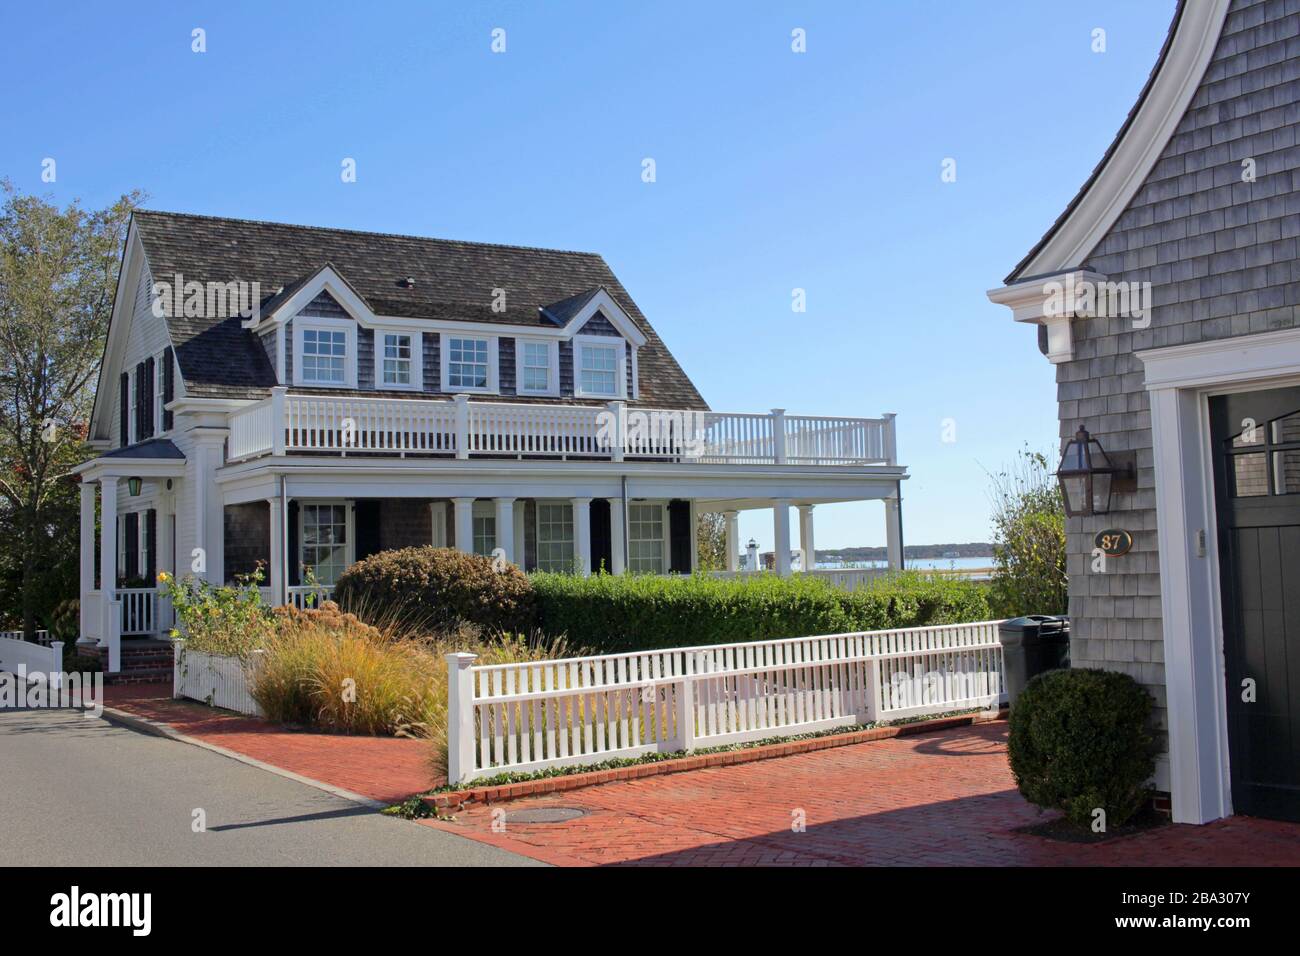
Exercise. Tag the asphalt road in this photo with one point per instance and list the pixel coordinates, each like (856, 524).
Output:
(78, 791)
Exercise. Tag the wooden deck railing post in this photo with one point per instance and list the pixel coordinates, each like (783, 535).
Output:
(279, 420)
(778, 435)
(462, 426)
(460, 717)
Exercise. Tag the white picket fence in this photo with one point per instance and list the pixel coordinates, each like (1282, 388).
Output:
(217, 681)
(529, 716)
(42, 658)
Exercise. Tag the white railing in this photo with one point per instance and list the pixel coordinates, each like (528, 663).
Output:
(42, 658)
(139, 610)
(848, 578)
(217, 681)
(524, 717)
(307, 596)
(351, 425)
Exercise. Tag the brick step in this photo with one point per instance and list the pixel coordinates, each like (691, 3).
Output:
(144, 675)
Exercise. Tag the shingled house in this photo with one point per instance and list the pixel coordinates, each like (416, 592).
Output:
(1197, 202)
(301, 398)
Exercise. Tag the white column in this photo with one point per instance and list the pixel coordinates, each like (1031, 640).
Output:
(506, 528)
(209, 531)
(276, 572)
(464, 522)
(733, 539)
(617, 535)
(521, 542)
(894, 534)
(110, 628)
(806, 539)
(582, 533)
(695, 536)
(87, 559)
(781, 535)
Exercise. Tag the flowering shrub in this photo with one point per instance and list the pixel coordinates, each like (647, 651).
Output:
(231, 621)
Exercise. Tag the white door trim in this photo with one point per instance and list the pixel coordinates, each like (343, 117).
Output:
(1180, 380)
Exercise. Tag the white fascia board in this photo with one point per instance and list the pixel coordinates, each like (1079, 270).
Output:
(1190, 51)
(604, 303)
(326, 280)
(1234, 360)
(1048, 301)
(123, 467)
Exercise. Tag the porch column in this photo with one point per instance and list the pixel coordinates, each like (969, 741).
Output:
(110, 629)
(87, 558)
(276, 572)
(617, 524)
(781, 535)
(464, 523)
(894, 533)
(694, 517)
(582, 533)
(806, 541)
(733, 539)
(521, 542)
(506, 528)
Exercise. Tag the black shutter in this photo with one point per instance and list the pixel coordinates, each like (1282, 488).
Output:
(294, 557)
(602, 542)
(169, 386)
(139, 401)
(151, 552)
(366, 525)
(131, 533)
(124, 409)
(147, 431)
(679, 537)
(99, 584)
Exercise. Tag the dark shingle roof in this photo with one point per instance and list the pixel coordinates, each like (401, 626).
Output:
(453, 280)
(153, 448)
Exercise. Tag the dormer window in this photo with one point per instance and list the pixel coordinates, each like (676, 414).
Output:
(325, 352)
(598, 367)
(537, 367)
(469, 363)
(398, 360)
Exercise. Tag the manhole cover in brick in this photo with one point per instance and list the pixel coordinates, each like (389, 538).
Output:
(545, 815)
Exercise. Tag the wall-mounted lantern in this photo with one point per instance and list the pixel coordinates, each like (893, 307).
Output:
(1089, 475)
(133, 486)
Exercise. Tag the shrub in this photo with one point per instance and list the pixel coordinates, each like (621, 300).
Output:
(639, 612)
(436, 588)
(215, 619)
(65, 621)
(1028, 540)
(1079, 741)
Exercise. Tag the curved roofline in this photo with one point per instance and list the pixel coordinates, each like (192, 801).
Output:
(1188, 47)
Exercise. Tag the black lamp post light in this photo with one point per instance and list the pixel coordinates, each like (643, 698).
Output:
(133, 487)
(1089, 475)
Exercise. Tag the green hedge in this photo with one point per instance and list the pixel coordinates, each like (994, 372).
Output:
(638, 612)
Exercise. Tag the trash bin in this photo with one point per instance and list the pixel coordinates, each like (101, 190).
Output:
(1030, 646)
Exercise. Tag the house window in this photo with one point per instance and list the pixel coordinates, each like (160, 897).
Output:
(399, 360)
(325, 541)
(554, 536)
(160, 368)
(598, 369)
(538, 368)
(646, 547)
(485, 528)
(324, 356)
(467, 362)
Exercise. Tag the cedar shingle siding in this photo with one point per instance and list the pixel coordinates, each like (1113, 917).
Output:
(454, 281)
(1221, 256)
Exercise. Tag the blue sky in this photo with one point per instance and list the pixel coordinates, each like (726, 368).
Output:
(775, 171)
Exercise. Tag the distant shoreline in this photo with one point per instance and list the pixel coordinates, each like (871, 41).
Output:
(977, 549)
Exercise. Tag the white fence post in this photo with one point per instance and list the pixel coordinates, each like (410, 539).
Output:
(686, 704)
(778, 435)
(618, 434)
(278, 419)
(462, 426)
(55, 676)
(178, 652)
(460, 717)
(871, 712)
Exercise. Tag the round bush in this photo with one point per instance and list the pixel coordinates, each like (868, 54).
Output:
(1079, 741)
(436, 589)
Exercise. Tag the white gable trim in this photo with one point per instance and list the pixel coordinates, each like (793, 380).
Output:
(326, 280)
(604, 303)
(1194, 41)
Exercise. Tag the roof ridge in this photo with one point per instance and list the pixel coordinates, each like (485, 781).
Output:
(363, 232)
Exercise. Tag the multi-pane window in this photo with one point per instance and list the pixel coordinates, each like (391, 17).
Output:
(598, 369)
(485, 528)
(645, 538)
(536, 374)
(325, 541)
(467, 363)
(554, 536)
(397, 359)
(324, 356)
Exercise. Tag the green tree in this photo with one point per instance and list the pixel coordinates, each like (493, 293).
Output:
(1028, 540)
(58, 276)
(711, 540)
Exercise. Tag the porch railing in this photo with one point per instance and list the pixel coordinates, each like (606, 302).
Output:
(140, 611)
(287, 423)
(583, 710)
(310, 596)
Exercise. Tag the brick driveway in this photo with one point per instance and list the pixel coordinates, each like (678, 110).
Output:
(945, 798)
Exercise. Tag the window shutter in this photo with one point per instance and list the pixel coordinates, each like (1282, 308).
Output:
(139, 401)
(132, 535)
(151, 552)
(124, 409)
(147, 399)
(168, 386)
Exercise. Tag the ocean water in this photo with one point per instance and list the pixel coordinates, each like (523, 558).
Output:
(923, 564)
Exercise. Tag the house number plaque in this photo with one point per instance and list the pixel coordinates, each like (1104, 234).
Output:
(1113, 542)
